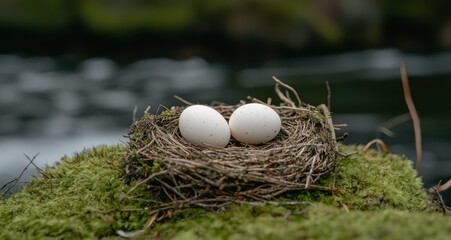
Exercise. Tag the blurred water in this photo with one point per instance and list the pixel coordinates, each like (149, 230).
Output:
(60, 106)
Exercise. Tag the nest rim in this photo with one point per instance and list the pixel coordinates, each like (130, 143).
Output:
(189, 175)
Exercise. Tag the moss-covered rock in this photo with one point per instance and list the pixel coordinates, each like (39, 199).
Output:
(321, 222)
(76, 199)
(375, 180)
(378, 196)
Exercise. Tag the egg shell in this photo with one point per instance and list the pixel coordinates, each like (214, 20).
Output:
(254, 123)
(204, 126)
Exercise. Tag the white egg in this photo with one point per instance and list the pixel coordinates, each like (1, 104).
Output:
(254, 123)
(204, 126)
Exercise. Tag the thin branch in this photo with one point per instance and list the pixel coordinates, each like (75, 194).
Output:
(379, 142)
(143, 182)
(283, 97)
(21, 173)
(289, 88)
(438, 197)
(135, 109)
(329, 95)
(151, 221)
(6, 184)
(414, 114)
(442, 187)
(147, 110)
(183, 100)
(40, 171)
(330, 123)
(386, 126)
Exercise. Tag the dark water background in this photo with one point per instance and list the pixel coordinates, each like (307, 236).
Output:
(57, 106)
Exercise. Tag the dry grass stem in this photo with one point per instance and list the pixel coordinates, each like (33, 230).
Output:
(379, 143)
(386, 127)
(16, 180)
(436, 197)
(288, 87)
(441, 187)
(414, 115)
(329, 95)
(188, 103)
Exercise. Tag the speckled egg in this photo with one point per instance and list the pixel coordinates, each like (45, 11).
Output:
(204, 126)
(254, 123)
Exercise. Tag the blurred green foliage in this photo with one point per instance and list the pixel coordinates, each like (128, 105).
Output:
(272, 20)
(136, 15)
(44, 15)
(290, 23)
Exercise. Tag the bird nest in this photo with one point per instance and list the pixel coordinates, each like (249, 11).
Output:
(183, 175)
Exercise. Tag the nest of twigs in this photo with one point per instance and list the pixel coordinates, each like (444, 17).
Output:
(184, 175)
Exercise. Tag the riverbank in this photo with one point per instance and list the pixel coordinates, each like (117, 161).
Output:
(378, 196)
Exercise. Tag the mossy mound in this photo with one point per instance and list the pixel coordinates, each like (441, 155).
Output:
(375, 180)
(322, 222)
(78, 199)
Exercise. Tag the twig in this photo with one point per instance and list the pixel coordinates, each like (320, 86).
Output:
(151, 221)
(327, 113)
(343, 137)
(289, 88)
(143, 182)
(345, 207)
(283, 97)
(135, 109)
(329, 95)
(21, 174)
(147, 110)
(275, 203)
(386, 126)
(171, 188)
(309, 175)
(6, 184)
(330, 123)
(441, 187)
(183, 100)
(31, 160)
(439, 199)
(414, 114)
(379, 142)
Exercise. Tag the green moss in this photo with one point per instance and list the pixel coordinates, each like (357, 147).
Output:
(168, 113)
(238, 222)
(79, 198)
(375, 180)
(321, 222)
(138, 134)
(76, 199)
(155, 166)
(332, 223)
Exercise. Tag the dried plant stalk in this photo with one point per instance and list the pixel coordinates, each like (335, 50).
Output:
(414, 115)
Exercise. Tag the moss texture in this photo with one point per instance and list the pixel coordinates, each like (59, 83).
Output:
(374, 180)
(321, 222)
(78, 198)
